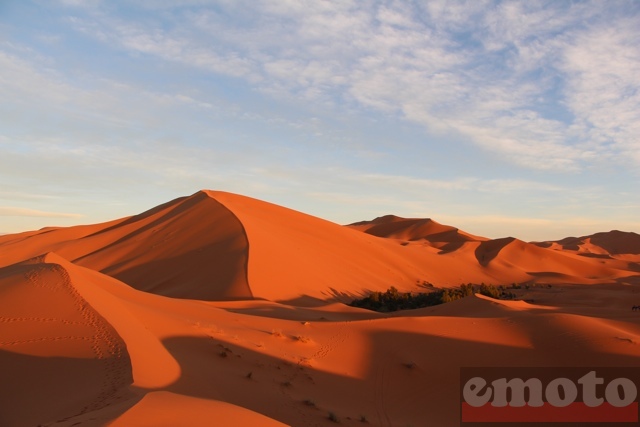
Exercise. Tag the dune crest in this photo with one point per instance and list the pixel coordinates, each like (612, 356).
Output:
(222, 308)
(220, 246)
(168, 409)
(191, 247)
(613, 243)
(54, 338)
(412, 229)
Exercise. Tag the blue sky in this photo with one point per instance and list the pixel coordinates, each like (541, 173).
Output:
(502, 118)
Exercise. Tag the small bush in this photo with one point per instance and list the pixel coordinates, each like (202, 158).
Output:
(393, 300)
(333, 417)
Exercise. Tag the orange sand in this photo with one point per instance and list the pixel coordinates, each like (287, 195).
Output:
(218, 309)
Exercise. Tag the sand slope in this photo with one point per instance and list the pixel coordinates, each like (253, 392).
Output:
(394, 227)
(217, 246)
(616, 249)
(58, 353)
(392, 370)
(613, 242)
(190, 247)
(218, 308)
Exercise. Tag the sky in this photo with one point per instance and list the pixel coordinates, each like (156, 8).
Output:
(502, 118)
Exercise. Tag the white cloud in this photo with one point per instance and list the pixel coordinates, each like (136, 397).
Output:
(501, 186)
(20, 195)
(416, 184)
(548, 86)
(13, 211)
(487, 71)
(532, 228)
(604, 89)
(496, 219)
(170, 47)
(89, 4)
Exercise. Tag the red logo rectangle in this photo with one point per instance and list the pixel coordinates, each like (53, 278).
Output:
(576, 412)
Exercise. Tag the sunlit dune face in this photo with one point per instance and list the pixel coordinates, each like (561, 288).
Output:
(221, 305)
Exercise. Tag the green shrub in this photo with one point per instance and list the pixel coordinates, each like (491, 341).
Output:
(393, 300)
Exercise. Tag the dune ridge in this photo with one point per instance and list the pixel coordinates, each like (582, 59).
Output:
(189, 247)
(216, 246)
(54, 338)
(221, 307)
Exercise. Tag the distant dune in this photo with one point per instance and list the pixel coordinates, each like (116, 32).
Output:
(610, 243)
(222, 246)
(392, 226)
(222, 307)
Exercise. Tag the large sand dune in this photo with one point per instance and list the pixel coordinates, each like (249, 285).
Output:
(218, 309)
(190, 247)
(439, 235)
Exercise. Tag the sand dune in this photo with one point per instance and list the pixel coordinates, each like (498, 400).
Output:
(190, 247)
(391, 226)
(222, 307)
(616, 249)
(516, 254)
(444, 237)
(58, 353)
(216, 246)
(613, 242)
(169, 409)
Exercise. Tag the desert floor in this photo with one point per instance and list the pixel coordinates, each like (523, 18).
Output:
(217, 309)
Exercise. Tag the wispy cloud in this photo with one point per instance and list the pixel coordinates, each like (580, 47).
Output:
(604, 89)
(408, 107)
(502, 186)
(13, 211)
(21, 195)
(535, 229)
(548, 86)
